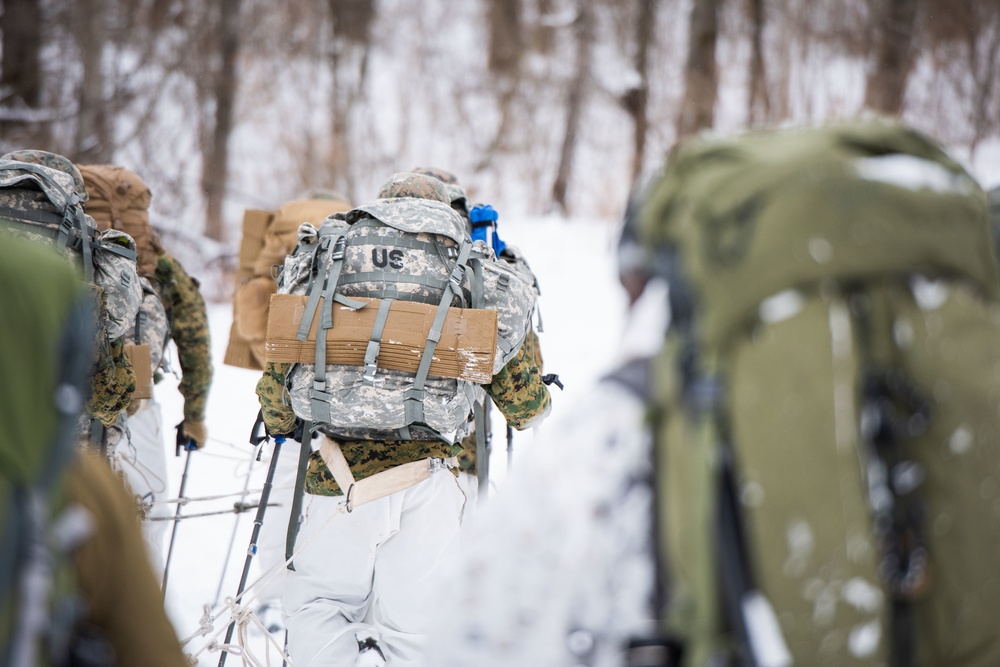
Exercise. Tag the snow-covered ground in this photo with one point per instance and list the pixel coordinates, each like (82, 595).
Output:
(583, 314)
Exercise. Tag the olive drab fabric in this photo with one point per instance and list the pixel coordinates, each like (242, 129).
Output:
(267, 239)
(834, 343)
(44, 361)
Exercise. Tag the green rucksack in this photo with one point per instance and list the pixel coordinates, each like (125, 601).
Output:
(828, 438)
(45, 360)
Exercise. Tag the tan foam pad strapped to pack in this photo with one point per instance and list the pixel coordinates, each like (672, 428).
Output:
(138, 356)
(465, 351)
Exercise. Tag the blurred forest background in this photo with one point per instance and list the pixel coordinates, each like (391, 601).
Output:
(540, 106)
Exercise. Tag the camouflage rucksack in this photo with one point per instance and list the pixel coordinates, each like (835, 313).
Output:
(119, 199)
(46, 203)
(828, 451)
(268, 237)
(397, 250)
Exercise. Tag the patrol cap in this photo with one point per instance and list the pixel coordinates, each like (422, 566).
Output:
(410, 184)
(459, 200)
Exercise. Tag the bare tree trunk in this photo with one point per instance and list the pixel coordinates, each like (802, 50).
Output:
(506, 40)
(758, 103)
(701, 71)
(636, 99)
(93, 142)
(21, 78)
(543, 33)
(506, 46)
(984, 122)
(215, 166)
(21, 71)
(886, 82)
(352, 21)
(584, 25)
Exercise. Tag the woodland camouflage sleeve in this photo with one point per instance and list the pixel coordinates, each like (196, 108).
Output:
(278, 415)
(112, 384)
(189, 329)
(113, 380)
(518, 391)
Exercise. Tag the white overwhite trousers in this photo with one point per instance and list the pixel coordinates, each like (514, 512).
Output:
(388, 557)
(270, 557)
(143, 461)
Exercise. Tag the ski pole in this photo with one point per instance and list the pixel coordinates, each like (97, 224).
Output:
(510, 447)
(255, 439)
(188, 446)
(258, 521)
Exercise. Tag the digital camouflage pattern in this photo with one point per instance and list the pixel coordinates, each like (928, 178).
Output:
(72, 182)
(442, 175)
(118, 277)
(151, 326)
(419, 186)
(113, 381)
(188, 317)
(518, 391)
(402, 248)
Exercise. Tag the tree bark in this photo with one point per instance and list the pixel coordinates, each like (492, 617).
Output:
(886, 82)
(700, 71)
(351, 21)
(93, 142)
(506, 40)
(21, 24)
(758, 103)
(23, 123)
(584, 25)
(215, 167)
(636, 100)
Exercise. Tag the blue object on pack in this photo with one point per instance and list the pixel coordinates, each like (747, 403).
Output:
(484, 227)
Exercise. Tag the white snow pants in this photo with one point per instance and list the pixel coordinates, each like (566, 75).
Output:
(390, 555)
(143, 460)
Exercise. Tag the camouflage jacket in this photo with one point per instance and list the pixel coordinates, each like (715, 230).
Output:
(188, 319)
(517, 390)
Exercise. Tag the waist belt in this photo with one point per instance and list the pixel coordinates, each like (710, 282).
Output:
(381, 484)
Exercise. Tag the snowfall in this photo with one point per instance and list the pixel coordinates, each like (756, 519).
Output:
(586, 330)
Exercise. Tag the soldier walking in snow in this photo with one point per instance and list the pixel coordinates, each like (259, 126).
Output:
(391, 425)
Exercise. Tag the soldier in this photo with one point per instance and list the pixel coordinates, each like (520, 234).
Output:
(173, 308)
(511, 255)
(82, 593)
(383, 557)
(31, 212)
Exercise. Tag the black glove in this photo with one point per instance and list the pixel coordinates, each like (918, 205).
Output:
(187, 441)
(552, 378)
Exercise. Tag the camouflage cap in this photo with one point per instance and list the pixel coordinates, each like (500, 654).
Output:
(456, 193)
(324, 193)
(419, 186)
(445, 177)
(53, 161)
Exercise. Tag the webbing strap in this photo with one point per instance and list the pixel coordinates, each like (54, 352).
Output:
(482, 451)
(31, 215)
(291, 534)
(315, 289)
(379, 485)
(394, 241)
(414, 402)
(375, 342)
(393, 277)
